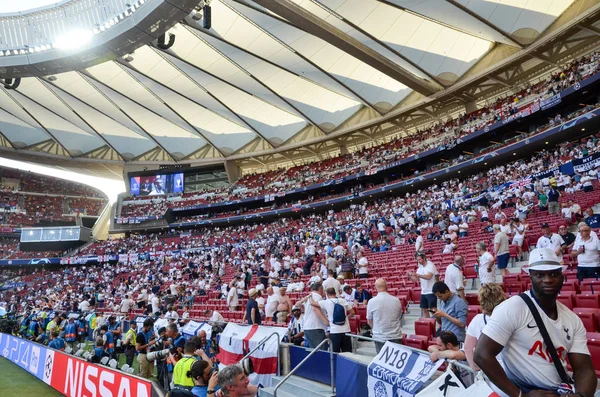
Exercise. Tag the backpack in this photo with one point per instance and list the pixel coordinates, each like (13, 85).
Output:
(339, 314)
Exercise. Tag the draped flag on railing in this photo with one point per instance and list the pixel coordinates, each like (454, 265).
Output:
(237, 340)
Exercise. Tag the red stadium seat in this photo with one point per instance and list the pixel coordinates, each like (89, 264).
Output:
(417, 341)
(593, 342)
(590, 317)
(425, 327)
(472, 312)
(588, 300)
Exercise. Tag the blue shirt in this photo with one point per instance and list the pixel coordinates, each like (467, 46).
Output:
(457, 308)
(593, 221)
(57, 344)
(200, 391)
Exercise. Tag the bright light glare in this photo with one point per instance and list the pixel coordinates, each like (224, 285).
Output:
(74, 39)
(111, 187)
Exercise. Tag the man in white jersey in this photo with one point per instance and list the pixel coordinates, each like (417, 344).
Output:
(527, 368)
(549, 240)
(427, 275)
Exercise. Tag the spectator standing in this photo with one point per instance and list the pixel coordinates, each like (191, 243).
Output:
(549, 240)
(337, 332)
(232, 297)
(143, 341)
(512, 331)
(295, 333)
(426, 274)
(452, 313)
(418, 241)
(454, 276)
(126, 304)
(331, 282)
(272, 303)
(363, 266)
(384, 313)
(501, 250)
(252, 313)
(586, 250)
(314, 320)
(553, 200)
(487, 265)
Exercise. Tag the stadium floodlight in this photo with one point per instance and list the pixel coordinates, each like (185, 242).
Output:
(74, 39)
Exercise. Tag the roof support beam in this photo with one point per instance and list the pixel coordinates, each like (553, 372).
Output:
(243, 122)
(486, 22)
(127, 70)
(316, 26)
(37, 121)
(307, 60)
(45, 84)
(286, 101)
(87, 77)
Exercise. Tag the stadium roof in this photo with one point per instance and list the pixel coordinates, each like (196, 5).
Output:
(276, 74)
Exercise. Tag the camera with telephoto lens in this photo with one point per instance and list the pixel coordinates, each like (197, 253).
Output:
(158, 344)
(158, 355)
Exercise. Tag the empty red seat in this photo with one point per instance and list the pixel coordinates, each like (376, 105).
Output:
(425, 327)
(472, 299)
(588, 300)
(589, 316)
(593, 343)
(473, 310)
(567, 300)
(590, 286)
(416, 341)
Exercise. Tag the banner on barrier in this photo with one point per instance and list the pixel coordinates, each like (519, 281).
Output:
(447, 385)
(237, 340)
(399, 372)
(69, 375)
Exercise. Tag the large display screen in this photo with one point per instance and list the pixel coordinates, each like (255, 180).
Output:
(155, 185)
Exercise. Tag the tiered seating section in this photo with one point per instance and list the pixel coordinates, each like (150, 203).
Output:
(275, 181)
(28, 199)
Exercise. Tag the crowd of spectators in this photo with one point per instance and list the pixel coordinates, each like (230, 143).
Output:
(446, 134)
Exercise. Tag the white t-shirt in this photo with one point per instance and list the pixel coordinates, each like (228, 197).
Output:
(385, 312)
(454, 278)
(327, 305)
(84, 306)
(553, 242)
(591, 257)
(419, 243)
(232, 297)
(216, 316)
(155, 307)
(126, 305)
(331, 282)
(427, 285)
(271, 305)
(363, 270)
(524, 356)
(477, 324)
(484, 275)
(311, 320)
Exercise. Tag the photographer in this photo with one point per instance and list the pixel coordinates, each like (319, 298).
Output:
(181, 372)
(176, 346)
(143, 341)
(129, 343)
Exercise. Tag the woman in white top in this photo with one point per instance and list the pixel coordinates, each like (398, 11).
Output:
(487, 264)
(587, 251)
(490, 296)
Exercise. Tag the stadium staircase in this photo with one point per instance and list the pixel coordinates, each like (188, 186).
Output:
(296, 386)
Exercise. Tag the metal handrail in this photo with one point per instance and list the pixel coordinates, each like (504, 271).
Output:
(315, 350)
(262, 343)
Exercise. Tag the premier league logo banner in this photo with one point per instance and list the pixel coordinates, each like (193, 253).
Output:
(399, 372)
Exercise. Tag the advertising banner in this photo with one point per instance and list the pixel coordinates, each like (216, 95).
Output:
(70, 375)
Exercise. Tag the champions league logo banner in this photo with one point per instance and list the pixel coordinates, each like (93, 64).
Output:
(399, 372)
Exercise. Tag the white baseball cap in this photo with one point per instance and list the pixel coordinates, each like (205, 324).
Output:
(543, 259)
